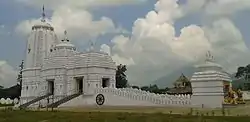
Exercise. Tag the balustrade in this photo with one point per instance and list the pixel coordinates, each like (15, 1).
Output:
(135, 94)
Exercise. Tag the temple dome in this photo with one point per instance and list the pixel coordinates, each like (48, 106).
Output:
(65, 43)
(65, 55)
(97, 59)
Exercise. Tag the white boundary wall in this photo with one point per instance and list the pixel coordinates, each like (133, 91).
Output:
(130, 97)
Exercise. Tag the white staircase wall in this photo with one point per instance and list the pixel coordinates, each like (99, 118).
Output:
(129, 97)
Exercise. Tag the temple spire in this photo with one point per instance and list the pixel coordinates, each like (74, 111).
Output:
(43, 15)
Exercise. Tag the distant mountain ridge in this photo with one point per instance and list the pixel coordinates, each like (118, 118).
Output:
(168, 80)
(12, 92)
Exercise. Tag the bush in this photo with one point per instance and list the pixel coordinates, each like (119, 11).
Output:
(6, 105)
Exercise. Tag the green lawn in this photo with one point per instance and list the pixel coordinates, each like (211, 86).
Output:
(4, 105)
(69, 116)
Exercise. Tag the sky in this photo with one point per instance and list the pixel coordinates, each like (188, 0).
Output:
(154, 38)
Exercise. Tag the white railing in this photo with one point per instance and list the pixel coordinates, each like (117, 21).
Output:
(246, 95)
(159, 99)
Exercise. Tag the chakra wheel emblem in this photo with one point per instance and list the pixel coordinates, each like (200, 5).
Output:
(100, 99)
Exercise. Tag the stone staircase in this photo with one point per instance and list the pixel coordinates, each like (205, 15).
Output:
(63, 100)
(25, 105)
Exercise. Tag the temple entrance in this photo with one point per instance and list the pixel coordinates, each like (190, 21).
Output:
(105, 82)
(79, 84)
(51, 87)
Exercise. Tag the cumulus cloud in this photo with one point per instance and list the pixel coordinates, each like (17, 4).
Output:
(216, 7)
(8, 75)
(105, 48)
(155, 50)
(75, 18)
(53, 4)
(78, 22)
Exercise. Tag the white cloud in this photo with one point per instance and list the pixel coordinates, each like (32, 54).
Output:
(78, 22)
(105, 48)
(53, 4)
(216, 7)
(156, 51)
(8, 76)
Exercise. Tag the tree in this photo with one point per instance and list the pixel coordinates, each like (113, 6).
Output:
(244, 72)
(20, 75)
(121, 78)
(239, 87)
(135, 87)
(1, 87)
(154, 89)
(145, 88)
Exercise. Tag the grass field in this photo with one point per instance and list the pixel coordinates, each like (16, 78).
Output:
(126, 114)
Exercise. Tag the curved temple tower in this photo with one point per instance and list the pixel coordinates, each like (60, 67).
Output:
(55, 72)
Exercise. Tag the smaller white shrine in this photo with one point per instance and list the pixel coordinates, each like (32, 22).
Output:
(210, 83)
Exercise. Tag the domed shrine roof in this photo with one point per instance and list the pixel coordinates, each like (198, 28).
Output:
(65, 43)
(210, 71)
(65, 55)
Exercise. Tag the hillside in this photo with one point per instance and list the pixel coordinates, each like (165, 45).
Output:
(167, 81)
(12, 92)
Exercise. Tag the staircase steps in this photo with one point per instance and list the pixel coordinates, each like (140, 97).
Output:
(25, 105)
(63, 100)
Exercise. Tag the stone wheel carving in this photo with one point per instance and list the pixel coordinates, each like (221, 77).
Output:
(100, 99)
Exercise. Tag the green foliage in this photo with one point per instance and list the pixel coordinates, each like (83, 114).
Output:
(154, 89)
(6, 105)
(29, 116)
(121, 78)
(20, 75)
(244, 72)
(135, 87)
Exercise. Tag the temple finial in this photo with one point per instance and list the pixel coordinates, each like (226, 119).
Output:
(65, 36)
(43, 15)
(65, 33)
(209, 57)
(91, 45)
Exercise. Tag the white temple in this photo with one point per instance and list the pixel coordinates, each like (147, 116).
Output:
(57, 75)
(54, 67)
(210, 83)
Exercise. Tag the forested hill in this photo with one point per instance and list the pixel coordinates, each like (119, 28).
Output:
(12, 92)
